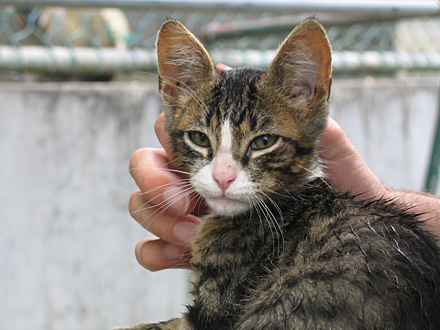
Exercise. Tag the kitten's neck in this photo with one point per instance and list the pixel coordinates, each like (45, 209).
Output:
(229, 254)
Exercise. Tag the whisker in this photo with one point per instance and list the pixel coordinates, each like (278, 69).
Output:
(165, 206)
(271, 221)
(178, 190)
(289, 196)
(161, 169)
(176, 184)
(279, 224)
(258, 210)
(144, 206)
(198, 204)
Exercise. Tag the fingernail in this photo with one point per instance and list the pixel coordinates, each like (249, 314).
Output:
(185, 231)
(174, 252)
(178, 204)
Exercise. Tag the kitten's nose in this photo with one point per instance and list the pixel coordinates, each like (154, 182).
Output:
(224, 181)
(224, 170)
(225, 177)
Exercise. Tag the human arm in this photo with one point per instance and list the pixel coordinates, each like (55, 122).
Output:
(347, 171)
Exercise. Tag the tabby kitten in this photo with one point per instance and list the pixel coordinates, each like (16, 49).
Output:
(281, 249)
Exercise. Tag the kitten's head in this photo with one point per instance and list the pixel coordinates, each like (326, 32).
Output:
(245, 135)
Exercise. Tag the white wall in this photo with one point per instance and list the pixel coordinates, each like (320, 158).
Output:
(391, 123)
(66, 238)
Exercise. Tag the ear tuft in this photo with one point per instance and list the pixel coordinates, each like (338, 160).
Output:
(303, 63)
(183, 62)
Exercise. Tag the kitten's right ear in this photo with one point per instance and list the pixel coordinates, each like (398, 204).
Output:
(302, 66)
(183, 62)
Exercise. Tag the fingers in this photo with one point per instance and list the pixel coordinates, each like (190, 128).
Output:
(156, 254)
(154, 174)
(162, 205)
(162, 222)
(222, 67)
(344, 166)
(160, 183)
(334, 143)
(161, 134)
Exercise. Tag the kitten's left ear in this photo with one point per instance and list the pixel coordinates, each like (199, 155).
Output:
(302, 65)
(183, 62)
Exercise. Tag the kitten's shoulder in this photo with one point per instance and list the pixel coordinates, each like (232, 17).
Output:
(340, 215)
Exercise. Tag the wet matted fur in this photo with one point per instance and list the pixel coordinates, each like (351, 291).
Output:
(280, 248)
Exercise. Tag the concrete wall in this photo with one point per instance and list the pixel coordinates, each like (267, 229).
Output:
(391, 122)
(66, 238)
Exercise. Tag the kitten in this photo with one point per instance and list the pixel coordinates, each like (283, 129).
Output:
(281, 249)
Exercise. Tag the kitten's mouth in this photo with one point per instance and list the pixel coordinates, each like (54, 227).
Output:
(227, 206)
(225, 199)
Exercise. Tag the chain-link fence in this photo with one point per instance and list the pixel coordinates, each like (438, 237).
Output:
(103, 41)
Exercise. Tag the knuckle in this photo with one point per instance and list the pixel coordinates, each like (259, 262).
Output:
(141, 210)
(136, 157)
(139, 254)
(143, 253)
(141, 160)
(132, 202)
(159, 122)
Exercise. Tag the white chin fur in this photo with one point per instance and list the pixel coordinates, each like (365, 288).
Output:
(226, 206)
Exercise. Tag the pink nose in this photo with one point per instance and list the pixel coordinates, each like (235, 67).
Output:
(224, 179)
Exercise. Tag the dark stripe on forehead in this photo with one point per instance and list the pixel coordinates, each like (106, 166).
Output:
(253, 118)
(233, 95)
(247, 96)
(214, 104)
(241, 115)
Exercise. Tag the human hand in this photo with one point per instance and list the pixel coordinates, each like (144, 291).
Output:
(174, 225)
(344, 167)
(162, 206)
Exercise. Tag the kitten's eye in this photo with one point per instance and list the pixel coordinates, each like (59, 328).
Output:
(263, 142)
(199, 138)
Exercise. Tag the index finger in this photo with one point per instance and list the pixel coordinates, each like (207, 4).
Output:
(162, 135)
(159, 183)
(151, 169)
(157, 178)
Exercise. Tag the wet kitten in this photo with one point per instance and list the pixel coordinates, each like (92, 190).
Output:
(281, 249)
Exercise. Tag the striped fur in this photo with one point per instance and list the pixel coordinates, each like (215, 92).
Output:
(281, 249)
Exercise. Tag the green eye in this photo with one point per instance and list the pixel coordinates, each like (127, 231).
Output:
(263, 142)
(199, 138)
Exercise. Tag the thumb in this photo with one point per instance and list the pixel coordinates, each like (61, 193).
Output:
(344, 167)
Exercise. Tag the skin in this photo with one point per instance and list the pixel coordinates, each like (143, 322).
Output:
(344, 169)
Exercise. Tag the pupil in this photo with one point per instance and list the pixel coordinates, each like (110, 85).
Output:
(265, 139)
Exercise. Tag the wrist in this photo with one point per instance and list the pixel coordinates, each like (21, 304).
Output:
(426, 206)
